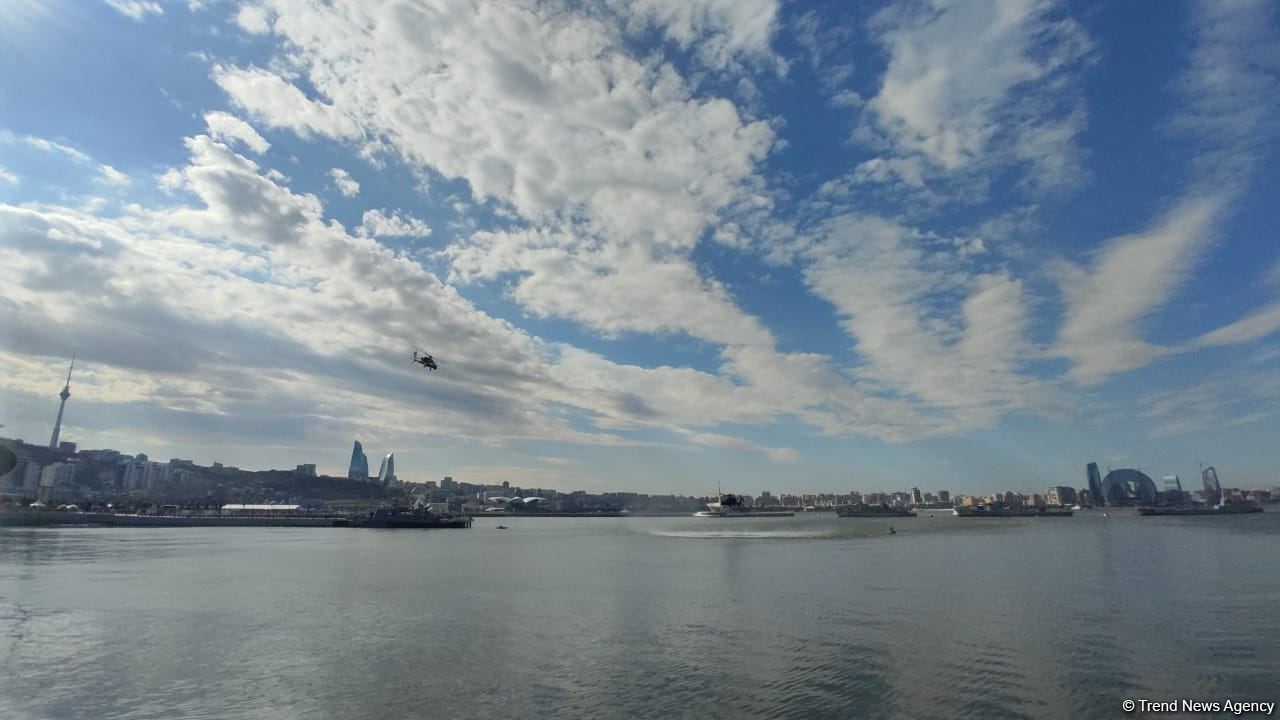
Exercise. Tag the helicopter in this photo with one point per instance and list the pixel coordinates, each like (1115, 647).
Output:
(421, 357)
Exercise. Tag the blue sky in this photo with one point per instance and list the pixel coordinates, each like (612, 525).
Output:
(655, 245)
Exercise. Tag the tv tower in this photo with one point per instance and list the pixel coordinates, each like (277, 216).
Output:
(66, 393)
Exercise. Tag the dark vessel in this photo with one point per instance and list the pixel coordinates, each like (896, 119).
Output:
(1007, 511)
(873, 511)
(1235, 509)
(392, 518)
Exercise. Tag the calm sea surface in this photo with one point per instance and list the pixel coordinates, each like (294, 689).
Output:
(812, 616)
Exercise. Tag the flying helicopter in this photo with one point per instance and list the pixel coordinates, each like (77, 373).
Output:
(421, 357)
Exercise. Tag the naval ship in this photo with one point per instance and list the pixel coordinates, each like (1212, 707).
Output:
(398, 518)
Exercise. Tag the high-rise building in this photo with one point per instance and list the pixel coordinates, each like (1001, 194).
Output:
(358, 469)
(306, 469)
(22, 479)
(387, 472)
(1095, 484)
(144, 476)
(66, 393)
(1212, 488)
(944, 496)
(916, 498)
(54, 478)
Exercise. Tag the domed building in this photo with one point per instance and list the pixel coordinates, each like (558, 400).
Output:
(1127, 486)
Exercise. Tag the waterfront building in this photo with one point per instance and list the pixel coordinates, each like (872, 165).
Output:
(358, 469)
(1095, 484)
(55, 477)
(142, 476)
(22, 480)
(1060, 495)
(944, 496)
(307, 470)
(1212, 488)
(387, 472)
(135, 472)
(915, 498)
(66, 393)
(1127, 486)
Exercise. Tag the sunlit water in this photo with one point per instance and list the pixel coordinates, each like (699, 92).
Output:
(812, 616)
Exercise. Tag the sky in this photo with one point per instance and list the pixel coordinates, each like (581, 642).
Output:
(654, 245)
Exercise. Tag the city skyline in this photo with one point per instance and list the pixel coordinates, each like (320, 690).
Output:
(358, 469)
(771, 246)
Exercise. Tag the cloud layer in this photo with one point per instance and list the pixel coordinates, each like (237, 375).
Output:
(594, 216)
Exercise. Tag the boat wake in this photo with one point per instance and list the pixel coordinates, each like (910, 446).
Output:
(752, 534)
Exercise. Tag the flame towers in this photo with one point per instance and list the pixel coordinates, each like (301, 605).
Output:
(358, 469)
(66, 393)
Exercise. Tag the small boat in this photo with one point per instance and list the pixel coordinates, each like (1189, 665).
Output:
(892, 531)
(501, 527)
(930, 514)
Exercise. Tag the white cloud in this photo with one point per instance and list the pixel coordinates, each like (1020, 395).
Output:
(136, 9)
(979, 84)
(612, 169)
(927, 326)
(106, 174)
(1131, 278)
(346, 184)
(609, 287)
(1256, 325)
(615, 166)
(719, 32)
(228, 128)
(1226, 400)
(219, 319)
(278, 104)
(379, 223)
(8, 177)
(112, 176)
(1234, 61)
(780, 455)
(55, 147)
(253, 19)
